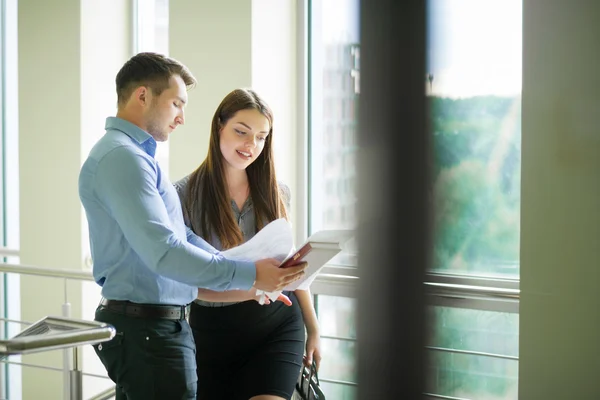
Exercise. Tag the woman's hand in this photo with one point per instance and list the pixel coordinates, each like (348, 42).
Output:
(282, 297)
(313, 350)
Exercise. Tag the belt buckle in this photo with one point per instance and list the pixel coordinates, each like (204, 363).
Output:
(185, 311)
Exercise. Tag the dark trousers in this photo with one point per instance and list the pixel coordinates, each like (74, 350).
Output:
(149, 358)
(247, 349)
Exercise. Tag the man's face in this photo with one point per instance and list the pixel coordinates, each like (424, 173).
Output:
(165, 112)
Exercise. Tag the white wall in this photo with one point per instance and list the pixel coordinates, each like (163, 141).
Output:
(560, 252)
(68, 59)
(214, 40)
(49, 159)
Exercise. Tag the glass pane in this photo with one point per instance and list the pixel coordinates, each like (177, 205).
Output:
(152, 26)
(152, 34)
(338, 391)
(473, 376)
(10, 382)
(338, 361)
(474, 330)
(474, 86)
(333, 108)
(337, 316)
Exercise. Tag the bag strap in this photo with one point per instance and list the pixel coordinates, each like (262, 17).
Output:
(313, 372)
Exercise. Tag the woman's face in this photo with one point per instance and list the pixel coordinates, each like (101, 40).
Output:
(243, 138)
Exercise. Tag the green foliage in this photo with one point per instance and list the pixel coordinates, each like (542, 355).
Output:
(476, 184)
(477, 154)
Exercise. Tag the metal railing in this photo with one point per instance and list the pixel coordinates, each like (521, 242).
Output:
(52, 333)
(7, 252)
(72, 373)
(105, 394)
(485, 293)
(447, 290)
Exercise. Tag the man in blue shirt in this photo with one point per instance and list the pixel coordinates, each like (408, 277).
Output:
(149, 264)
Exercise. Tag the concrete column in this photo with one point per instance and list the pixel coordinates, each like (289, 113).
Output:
(560, 252)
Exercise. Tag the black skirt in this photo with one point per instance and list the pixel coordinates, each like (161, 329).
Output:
(247, 349)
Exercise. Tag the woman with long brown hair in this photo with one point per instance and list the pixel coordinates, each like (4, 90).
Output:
(244, 350)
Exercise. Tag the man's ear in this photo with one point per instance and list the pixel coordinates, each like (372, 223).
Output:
(142, 95)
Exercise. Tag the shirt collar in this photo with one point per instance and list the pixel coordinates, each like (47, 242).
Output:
(136, 133)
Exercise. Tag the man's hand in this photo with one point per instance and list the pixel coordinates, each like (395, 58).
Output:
(271, 278)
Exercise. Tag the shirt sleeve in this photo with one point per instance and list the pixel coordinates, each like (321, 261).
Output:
(126, 183)
(199, 242)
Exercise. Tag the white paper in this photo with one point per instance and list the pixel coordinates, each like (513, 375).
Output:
(326, 245)
(273, 241)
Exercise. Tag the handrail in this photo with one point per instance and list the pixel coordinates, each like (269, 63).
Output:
(6, 252)
(49, 272)
(449, 289)
(505, 282)
(433, 288)
(55, 369)
(473, 353)
(52, 333)
(439, 396)
(105, 394)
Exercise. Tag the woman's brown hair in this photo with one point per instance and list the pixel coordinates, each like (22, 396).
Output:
(207, 203)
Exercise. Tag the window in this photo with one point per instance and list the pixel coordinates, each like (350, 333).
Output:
(337, 320)
(477, 362)
(474, 86)
(151, 33)
(474, 81)
(10, 379)
(332, 123)
(333, 97)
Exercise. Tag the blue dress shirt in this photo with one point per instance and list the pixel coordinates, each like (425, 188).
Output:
(141, 249)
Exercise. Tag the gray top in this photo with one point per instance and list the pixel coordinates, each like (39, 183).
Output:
(245, 218)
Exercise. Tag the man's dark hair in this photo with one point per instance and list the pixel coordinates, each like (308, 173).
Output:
(152, 70)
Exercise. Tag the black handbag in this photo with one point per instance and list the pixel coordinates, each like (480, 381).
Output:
(307, 386)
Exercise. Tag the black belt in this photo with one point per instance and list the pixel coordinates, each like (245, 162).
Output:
(151, 311)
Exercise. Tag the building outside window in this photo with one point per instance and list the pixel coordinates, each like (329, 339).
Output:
(151, 33)
(334, 60)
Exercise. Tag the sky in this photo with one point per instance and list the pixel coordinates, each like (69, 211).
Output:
(340, 21)
(474, 46)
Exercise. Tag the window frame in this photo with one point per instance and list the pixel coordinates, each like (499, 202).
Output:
(467, 291)
(338, 275)
(10, 293)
